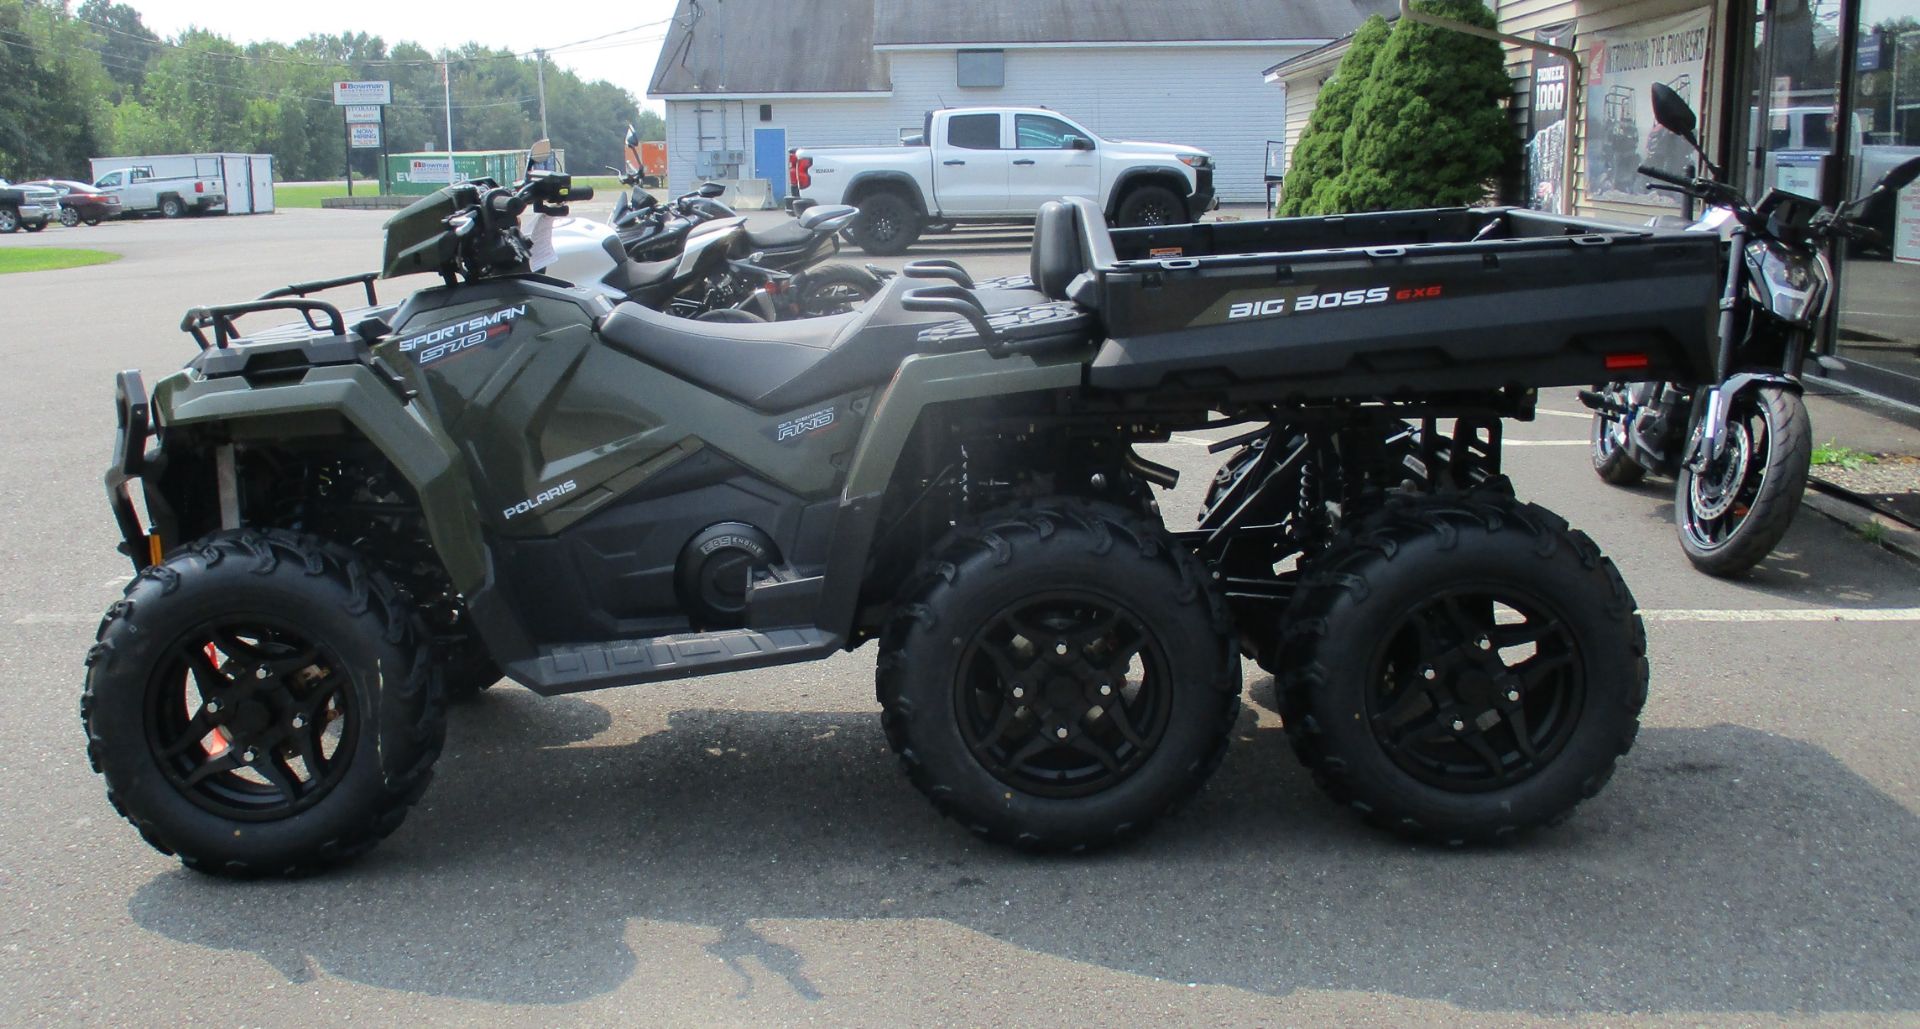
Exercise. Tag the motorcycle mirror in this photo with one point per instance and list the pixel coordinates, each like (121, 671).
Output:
(633, 138)
(711, 190)
(540, 156)
(1672, 112)
(1900, 177)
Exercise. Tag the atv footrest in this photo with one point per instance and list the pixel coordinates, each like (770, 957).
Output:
(572, 667)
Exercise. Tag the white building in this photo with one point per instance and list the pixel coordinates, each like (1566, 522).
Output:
(745, 80)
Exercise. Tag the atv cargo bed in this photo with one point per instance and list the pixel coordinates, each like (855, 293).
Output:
(1404, 302)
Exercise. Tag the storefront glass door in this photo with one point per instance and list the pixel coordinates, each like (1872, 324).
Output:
(1878, 332)
(1795, 95)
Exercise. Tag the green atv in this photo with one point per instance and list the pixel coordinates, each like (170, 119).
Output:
(336, 529)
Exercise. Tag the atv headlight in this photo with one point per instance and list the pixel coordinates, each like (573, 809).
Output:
(1196, 160)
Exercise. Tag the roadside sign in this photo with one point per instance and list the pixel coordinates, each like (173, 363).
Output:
(360, 114)
(364, 137)
(349, 93)
(429, 169)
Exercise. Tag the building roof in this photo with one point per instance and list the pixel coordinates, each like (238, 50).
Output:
(1317, 56)
(904, 23)
(764, 47)
(770, 47)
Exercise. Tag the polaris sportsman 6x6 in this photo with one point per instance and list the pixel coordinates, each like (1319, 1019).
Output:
(336, 529)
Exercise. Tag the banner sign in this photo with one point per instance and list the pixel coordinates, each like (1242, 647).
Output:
(1547, 122)
(364, 137)
(1906, 226)
(1622, 66)
(429, 169)
(347, 93)
(360, 114)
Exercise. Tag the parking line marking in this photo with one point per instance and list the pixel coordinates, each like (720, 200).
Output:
(1544, 442)
(1787, 614)
(1582, 415)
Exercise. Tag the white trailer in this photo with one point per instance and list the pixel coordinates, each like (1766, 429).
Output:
(175, 184)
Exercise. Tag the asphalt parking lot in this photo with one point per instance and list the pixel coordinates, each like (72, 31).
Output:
(744, 849)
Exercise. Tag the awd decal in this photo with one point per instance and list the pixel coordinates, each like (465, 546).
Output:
(540, 499)
(449, 340)
(805, 425)
(1303, 303)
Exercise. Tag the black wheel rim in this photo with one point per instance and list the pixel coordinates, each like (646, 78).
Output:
(881, 228)
(1063, 694)
(1154, 212)
(251, 720)
(1476, 689)
(1720, 495)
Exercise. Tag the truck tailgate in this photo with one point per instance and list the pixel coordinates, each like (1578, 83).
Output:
(1454, 299)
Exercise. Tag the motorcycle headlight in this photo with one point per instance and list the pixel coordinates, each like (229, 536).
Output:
(1791, 286)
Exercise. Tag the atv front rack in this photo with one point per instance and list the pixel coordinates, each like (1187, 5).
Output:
(222, 318)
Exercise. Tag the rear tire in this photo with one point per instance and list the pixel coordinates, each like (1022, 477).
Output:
(886, 226)
(172, 207)
(1402, 690)
(835, 289)
(729, 314)
(272, 646)
(1150, 205)
(1727, 527)
(1607, 446)
(991, 676)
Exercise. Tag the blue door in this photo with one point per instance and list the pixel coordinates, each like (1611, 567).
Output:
(770, 159)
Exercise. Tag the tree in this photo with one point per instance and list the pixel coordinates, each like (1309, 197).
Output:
(1429, 129)
(126, 46)
(1316, 157)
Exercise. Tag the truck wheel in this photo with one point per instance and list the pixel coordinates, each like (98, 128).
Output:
(9, 220)
(33, 226)
(92, 220)
(886, 226)
(172, 207)
(262, 703)
(1732, 513)
(1462, 668)
(1059, 676)
(69, 217)
(1151, 205)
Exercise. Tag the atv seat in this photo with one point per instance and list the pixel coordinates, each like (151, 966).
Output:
(778, 366)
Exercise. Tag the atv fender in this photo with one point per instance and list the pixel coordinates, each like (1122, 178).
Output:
(424, 456)
(921, 382)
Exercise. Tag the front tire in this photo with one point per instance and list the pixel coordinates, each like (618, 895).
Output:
(69, 217)
(262, 703)
(33, 226)
(886, 226)
(1150, 205)
(1059, 677)
(1732, 514)
(9, 221)
(1462, 668)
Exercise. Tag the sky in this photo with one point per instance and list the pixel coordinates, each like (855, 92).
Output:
(625, 60)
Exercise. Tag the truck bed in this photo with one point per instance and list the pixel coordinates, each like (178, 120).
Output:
(1403, 303)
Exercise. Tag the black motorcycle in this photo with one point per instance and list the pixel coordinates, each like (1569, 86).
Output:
(1739, 449)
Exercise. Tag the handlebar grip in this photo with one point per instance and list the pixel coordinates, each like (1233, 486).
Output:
(575, 193)
(1665, 176)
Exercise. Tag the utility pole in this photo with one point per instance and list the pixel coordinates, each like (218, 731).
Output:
(540, 74)
(446, 83)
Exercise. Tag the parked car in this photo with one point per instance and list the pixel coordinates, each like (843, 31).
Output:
(80, 202)
(998, 164)
(25, 207)
(145, 189)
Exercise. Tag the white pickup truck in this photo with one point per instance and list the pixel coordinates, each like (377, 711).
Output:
(168, 191)
(997, 164)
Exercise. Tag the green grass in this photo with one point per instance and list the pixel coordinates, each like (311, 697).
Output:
(1831, 453)
(310, 196)
(40, 259)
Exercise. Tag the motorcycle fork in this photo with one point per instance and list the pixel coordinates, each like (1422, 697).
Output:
(1710, 441)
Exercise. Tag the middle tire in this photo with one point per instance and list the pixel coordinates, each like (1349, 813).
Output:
(1059, 676)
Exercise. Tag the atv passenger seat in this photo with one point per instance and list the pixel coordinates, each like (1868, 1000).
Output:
(778, 366)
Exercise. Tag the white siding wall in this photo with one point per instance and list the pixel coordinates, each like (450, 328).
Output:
(1210, 97)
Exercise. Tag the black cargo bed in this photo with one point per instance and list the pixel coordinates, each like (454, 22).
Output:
(1405, 302)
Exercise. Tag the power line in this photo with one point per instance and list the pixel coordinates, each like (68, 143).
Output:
(382, 62)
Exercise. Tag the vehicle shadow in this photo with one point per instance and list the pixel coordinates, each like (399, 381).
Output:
(1724, 869)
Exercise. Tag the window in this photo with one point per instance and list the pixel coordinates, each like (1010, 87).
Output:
(110, 180)
(766, 112)
(1039, 132)
(974, 131)
(980, 69)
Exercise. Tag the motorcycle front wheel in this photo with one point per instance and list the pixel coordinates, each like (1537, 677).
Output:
(1734, 511)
